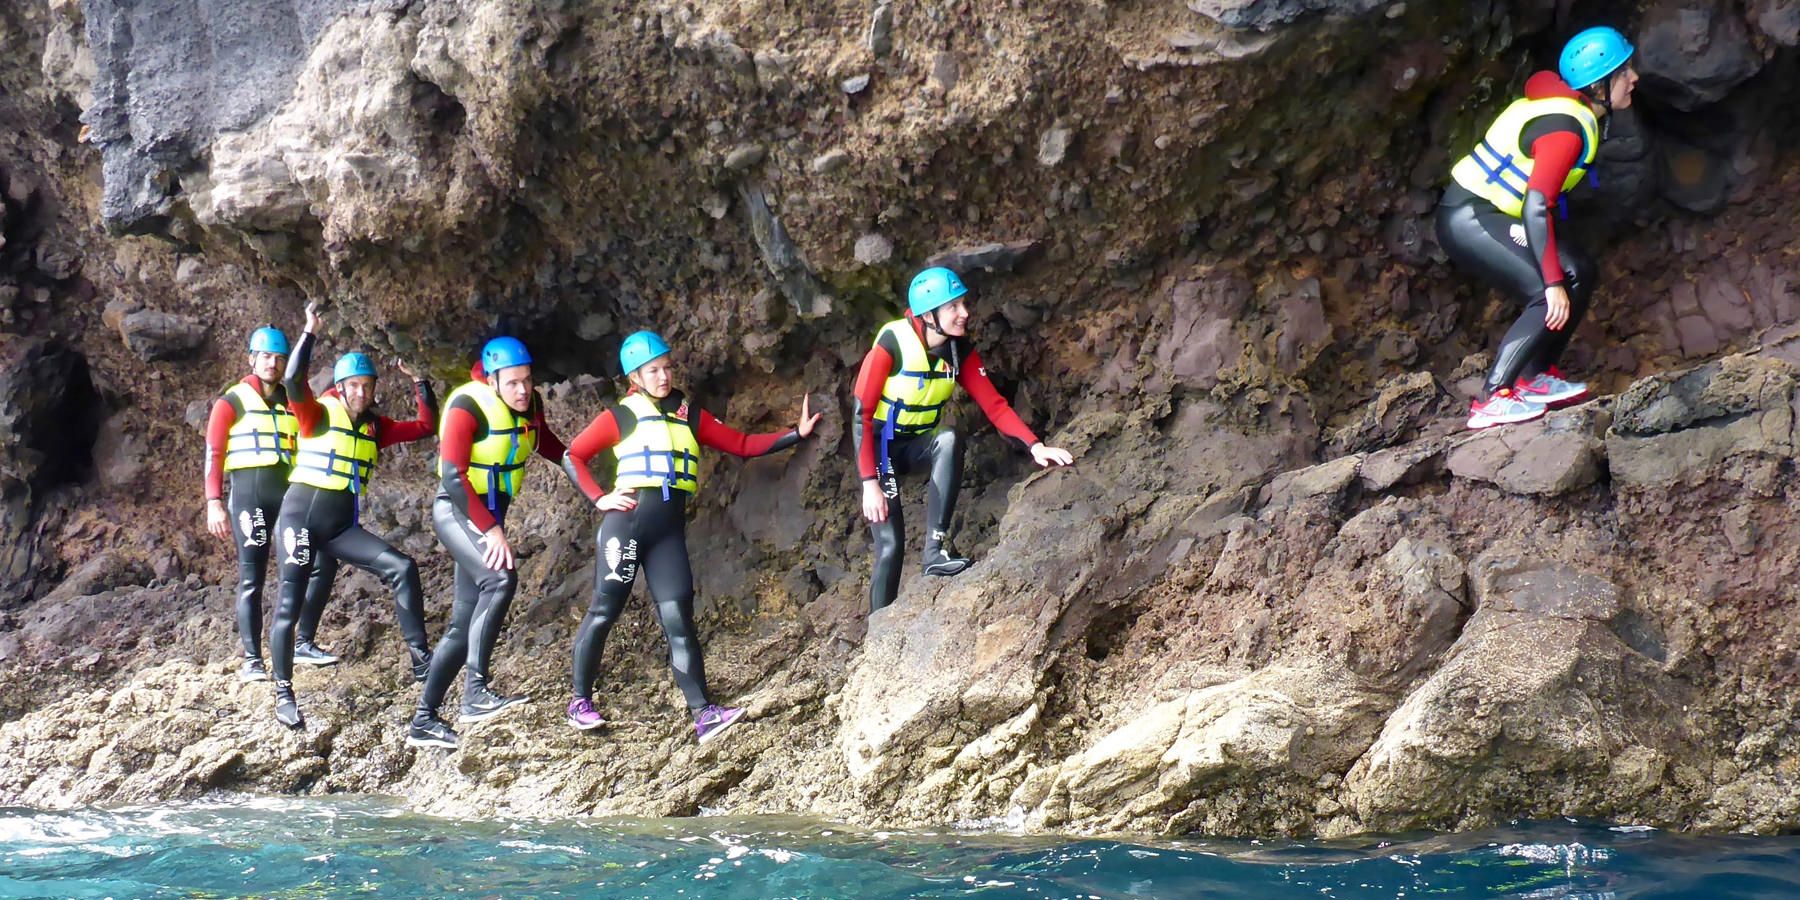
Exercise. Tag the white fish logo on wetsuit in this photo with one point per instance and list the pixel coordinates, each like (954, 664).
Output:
(244, 529)
(299, 552)
(1517, 233)
(615, 555)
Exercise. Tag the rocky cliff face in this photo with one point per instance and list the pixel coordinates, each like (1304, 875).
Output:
(1279, 592)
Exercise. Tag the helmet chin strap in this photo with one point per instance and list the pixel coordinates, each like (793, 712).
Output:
(932, 322)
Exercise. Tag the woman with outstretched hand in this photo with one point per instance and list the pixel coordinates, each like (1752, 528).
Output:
(655, 434)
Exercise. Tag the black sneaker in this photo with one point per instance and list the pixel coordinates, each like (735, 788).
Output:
(421, 667)
(940, 561)
(287, 710)
(432, 733)
(253, 670)
(308, 653)
(481, 703)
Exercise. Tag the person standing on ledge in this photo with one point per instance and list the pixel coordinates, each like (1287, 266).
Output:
(340, 436)
(491, 428)
(250, 443)
(905, 380)
(655, 434)
(1495, 220)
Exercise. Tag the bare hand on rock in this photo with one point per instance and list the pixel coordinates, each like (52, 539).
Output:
(807, 422)
(1050, 456)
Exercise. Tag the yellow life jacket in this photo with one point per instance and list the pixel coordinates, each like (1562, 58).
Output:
(661, 450)
(496, 462)
(914, 397)
(340, 458)
(262, 436)
(1498, 170)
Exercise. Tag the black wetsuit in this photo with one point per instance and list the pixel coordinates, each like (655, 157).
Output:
(483, 596)
(1483, 240)
(254, 501)
(652, 538)
(939, 455)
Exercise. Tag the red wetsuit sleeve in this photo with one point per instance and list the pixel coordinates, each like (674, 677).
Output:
(601, 435)
(1552, 157)
(218, 432)
(389, 432)
(722, 437)
(973, 377)
(549, 446)
(876, 367)
(454, 449)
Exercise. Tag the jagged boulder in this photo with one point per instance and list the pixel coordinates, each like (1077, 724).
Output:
(1223, 759)
(1559, 453)
(1539, 706)
(1684, 426)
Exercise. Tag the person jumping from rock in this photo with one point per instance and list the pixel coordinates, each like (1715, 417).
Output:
(491, 428)
(905, 380)
(1495, 220)
(250, 442)
(655, 434)
(340, 436)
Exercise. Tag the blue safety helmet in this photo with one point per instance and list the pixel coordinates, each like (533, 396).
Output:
(268, 339)
(350, 365)
(1592, 55)
(502, 353)
(639, 348)
(933, 288)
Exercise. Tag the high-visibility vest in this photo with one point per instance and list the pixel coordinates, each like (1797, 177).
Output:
(496, 462)
(262, 436)
(340, 458)
(1498, 170)
(661, 450)
(913, 398)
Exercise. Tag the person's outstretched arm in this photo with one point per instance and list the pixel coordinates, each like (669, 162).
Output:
(309, 416)
(973, 377)
(389, 432)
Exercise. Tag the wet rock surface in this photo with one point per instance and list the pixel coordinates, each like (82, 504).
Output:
(1281, 592)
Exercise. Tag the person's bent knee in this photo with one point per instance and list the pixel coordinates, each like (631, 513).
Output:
(501, 581)
(396, 566)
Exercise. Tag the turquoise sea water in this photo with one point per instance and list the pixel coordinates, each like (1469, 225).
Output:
(368, 848)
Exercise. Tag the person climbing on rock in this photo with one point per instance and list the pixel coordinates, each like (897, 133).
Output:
(1495, 220)
(905, 380)
(655, 434)
(491, 427)
(250, 443)
(339, 437)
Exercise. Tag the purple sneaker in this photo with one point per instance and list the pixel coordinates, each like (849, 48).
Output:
(714, 719)
(583, 716)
